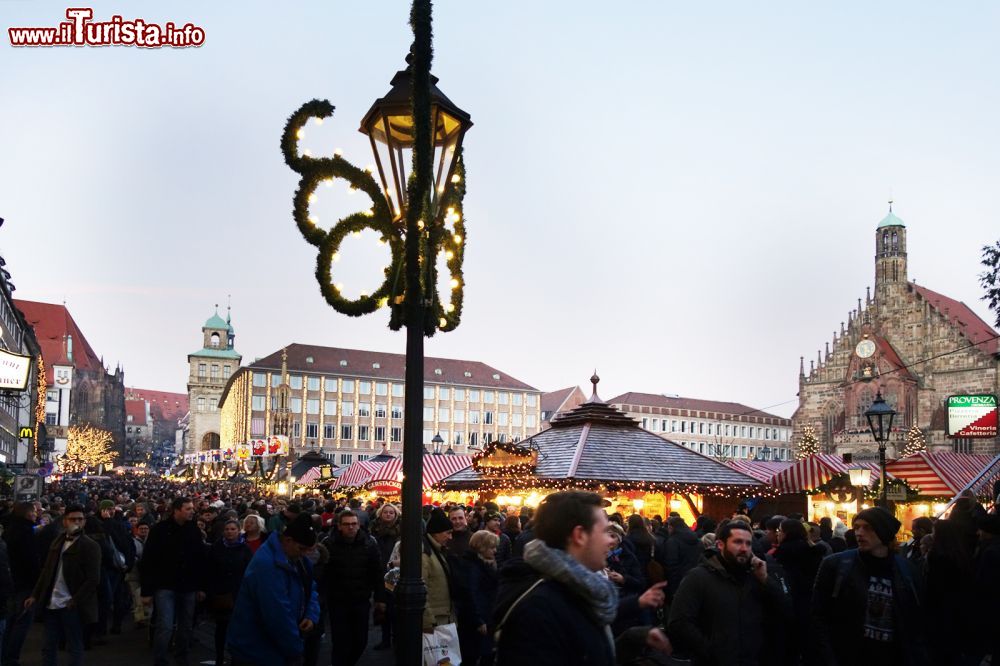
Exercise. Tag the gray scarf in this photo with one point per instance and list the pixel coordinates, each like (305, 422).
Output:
(597, 591)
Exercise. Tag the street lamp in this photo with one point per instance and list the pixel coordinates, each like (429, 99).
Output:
(437, 441)
(880, 416)
(861, 478)
(764, 453)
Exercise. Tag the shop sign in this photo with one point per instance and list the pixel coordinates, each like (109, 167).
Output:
(386, 487)
(972, 415)
(27, 487)
(896, 494)
(14, 370)
(500, 459)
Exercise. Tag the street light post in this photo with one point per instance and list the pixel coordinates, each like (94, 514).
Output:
(861, 478)
(880, 416)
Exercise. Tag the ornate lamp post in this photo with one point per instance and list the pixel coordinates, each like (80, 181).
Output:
(419, 214)
(437, 441)
(880, 416)
(861, 477)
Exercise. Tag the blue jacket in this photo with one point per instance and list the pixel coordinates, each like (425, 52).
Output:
(264, 628)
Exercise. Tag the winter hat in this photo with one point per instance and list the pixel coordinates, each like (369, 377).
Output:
(106, 504)
(438, 522)
(302, 531)
(492, 515)
(883, 522)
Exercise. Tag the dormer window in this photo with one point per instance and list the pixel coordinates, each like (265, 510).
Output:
(496, 376)
(215, 340)
(468, 374)
(437, 371)
(343, 364)
(376, 366)
(309, 359)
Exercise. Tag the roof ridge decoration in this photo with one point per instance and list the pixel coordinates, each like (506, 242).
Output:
(593, 411)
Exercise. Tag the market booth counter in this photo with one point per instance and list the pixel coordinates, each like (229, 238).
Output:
(597, 447)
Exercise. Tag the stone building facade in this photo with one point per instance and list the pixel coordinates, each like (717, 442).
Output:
(209, 370)
(348, 403)
(915, 346)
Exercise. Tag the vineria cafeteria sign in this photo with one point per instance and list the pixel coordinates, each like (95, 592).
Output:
(972, 416)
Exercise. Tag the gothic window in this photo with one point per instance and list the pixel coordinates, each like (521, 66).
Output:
(895, 241)
(885, 241)
(865, 400)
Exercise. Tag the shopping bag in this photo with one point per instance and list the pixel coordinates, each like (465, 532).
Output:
(441, 647)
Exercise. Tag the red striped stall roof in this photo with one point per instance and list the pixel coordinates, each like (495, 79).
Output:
(358, 474)
(436, 468)
(762, 470)
(312, 475)
(813, 471)
(939, 474)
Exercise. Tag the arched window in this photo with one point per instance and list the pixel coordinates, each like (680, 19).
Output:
(895, 242)
(865, 400)
(885, 241)
(215, 339)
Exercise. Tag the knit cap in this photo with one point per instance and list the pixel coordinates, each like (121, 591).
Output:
(883, 522)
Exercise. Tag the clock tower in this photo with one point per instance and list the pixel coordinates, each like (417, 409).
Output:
(209, 369)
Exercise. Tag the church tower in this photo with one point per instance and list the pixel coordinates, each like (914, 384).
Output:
(209, 369)
(890, 258)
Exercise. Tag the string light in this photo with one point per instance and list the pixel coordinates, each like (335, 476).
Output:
(86, 447)
(41, 384)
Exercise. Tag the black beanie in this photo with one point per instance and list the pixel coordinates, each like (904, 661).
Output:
(883, 522)
(438, 522)
(301, 530)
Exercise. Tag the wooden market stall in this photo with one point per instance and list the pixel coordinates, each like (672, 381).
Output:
(823, 479)
(765, 470)
(388, 480)
(597, 447)
(356, 475)
(936, 478)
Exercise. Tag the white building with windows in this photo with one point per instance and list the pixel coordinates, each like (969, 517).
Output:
(209, 370)
(348, 403)
(711, 427)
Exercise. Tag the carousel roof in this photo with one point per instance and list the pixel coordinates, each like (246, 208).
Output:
(596, 442)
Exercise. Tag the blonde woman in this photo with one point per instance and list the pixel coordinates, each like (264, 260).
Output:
(481, 578)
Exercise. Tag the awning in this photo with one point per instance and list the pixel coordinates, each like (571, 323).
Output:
(813, 471)
(312, 475)
(762, 470)
(939, 474)
(358, 474)
(436, 468)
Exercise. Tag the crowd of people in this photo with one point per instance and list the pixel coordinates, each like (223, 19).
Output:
(566, 583)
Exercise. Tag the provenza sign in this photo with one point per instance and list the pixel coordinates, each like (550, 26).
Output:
(972, 416)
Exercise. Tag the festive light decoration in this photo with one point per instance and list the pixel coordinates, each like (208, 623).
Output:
(808, 445)
(527, 483)
(41, 385)
(86, 447)
(915, 442)
(520, 462)
(445, 234)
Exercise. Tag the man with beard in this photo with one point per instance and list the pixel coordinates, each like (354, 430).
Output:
(718, 614)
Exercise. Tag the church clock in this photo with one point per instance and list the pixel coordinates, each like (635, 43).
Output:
(865, 349)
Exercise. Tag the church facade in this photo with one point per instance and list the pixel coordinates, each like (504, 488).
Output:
(915, 346)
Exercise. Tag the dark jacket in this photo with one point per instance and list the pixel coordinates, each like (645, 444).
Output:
(459, 543)
(681, 553)
(22, 548)
(717, 616)
(839, 599)
(354, 571)
(799, 562)
(987, 581)
(481, 582)
(226, 565)
(118, 532)
(82, 570)
(6, 580)
(174, 558)
(551, 625)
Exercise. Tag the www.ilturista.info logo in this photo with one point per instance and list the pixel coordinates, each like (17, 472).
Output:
(80, 30)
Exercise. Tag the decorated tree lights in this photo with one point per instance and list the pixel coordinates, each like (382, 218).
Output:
(87, 448)
(915, 441)
(419, 215)
(808, 443)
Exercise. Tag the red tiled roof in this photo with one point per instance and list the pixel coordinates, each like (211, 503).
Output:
(52, 323)
(135, 411)
(361, 363)
(551, 402)
(889, 354)
(962, 316)
(654, 400)
(171, 406)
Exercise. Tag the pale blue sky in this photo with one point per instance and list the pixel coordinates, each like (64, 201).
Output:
(682, 195)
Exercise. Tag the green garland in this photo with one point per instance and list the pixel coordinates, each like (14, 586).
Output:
(436, 236)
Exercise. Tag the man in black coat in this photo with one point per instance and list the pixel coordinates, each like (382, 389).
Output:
(681, 553)
(718, 614)
(865, 605)
(118, 532)
(354, 572)
(172, 576)
(555, 607)
(25, 565)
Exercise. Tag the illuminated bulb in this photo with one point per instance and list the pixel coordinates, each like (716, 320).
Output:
(336, 256)
(456, 217)
(381, 241)
(299, 134)
(440, 189)
(382, 302)
(450, 211)
(351, 190)
(313, 219)
(307, 152)
(339, 286)
(319, 121)
(369, 213)
(456, 178)
(454, 283)
(328, 182)
(369, 168)
(449, 255)
(450, 307)
(458, 239)
(442, 322)
(420, 224)
(355, 233)
(312, 197)
(338, 152)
